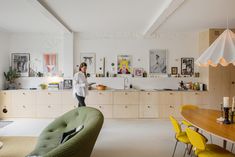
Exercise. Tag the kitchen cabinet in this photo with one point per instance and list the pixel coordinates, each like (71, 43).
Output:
(125, 111)
(126, 98)
(99, 97)
(107, 110)
(68, 101)
(5, 104)
(24, 103)
(149, 105)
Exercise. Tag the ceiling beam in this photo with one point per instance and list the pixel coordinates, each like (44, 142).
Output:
(162, 16)
(50, 14)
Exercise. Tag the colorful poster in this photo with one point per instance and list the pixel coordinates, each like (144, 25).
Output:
(50, 63)
(124, 64)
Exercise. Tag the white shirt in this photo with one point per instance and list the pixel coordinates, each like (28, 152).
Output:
(80, 85)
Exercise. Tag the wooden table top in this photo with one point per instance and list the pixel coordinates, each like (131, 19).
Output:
(205, 119)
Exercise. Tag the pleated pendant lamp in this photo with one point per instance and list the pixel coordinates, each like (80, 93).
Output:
(221, 51)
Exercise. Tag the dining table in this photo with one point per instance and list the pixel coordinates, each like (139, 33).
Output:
(206, 120)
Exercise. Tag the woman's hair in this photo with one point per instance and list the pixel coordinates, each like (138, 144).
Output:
(83, 64)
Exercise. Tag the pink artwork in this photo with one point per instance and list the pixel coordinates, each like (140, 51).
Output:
(50, 63)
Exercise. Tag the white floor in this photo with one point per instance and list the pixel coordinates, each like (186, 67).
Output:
(118, 137)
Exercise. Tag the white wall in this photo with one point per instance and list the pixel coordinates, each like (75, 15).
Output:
(4, 56)
(39, 43)
(110, 45)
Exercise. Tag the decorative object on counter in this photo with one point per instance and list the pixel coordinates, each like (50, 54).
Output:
(68, 84)
(187, 66)
(53, 86)
(43, 86)
(138, 72)
(182, 86)
(107, 74)
(124, 63)
(196, 74)
(10, 77)
(20, 62)
(50, 64)
(90, 60)
(158, 61)
(226, 110)
(101, 87)
(145, 74)
(174, 70)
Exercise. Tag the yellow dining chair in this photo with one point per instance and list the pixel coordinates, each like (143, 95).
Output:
(180, 135)
(201, 149)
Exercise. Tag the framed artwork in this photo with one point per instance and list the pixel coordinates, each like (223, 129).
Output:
(50, 63)
(124, 64)
(68, 84)
(187, 66)
(158, 61)
(20, 62)
(138, 72)
(89, 59)
(174, 70)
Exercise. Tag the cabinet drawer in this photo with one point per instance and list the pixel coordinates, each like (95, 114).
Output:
(170, 98)
(68, 107)
(48, 111)
(5, 97)
(107, 110)
(193, 98)
(23, 97)
(24, 110)
(149, 98)
(127, 98)
(125, 111)
(149, 111)
(68, 99)
(45, 98)
(99, 98)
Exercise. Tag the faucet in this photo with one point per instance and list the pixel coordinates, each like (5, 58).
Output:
(126, 81)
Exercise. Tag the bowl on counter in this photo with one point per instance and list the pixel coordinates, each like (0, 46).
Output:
(101, 87)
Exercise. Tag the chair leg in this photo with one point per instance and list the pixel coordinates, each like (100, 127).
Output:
(232, 147)
(186, 148)
(175, 148)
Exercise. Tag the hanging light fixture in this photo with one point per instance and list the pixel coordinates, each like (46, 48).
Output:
(221, 51)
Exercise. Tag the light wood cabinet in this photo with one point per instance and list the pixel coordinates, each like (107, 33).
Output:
(149, 105)
(68, 101)
(48, 111)
(99, 97)
(46, 97)
(125, 111)
(107, 110)
(5, 104)
(24, 103)
(126, 98)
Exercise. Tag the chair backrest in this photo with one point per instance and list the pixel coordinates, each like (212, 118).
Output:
(188, 106)
(176, 125)
(196, 139)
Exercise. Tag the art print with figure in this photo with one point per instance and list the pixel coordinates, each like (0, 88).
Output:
(89, 59)
(187, 66)
(20, 62)
(50, 63)
(124, 64)
(158, 61)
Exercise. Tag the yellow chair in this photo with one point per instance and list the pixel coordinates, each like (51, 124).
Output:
(180, 135)
(201, 149)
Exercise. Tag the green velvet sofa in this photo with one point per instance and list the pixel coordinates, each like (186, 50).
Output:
(80, 145)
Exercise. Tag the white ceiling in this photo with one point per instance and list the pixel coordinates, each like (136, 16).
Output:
(23, 16)
(112, 16)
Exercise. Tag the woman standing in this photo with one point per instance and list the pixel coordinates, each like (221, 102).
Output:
(80, 84)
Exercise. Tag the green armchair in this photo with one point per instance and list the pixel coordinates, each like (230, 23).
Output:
(81, 145)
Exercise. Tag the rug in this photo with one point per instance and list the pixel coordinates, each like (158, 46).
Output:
(17, 146)
(5, 123)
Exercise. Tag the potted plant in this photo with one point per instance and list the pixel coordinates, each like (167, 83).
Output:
(10, 77)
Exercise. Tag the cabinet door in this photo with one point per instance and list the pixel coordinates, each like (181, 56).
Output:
(99, 97)
(125, 111)
(149, 98)
(68, 107)
(192, 98)
(5, 97)
(171, 98)
(107, 110)
(166, 110)
(127, 98)
(149, 111)
(45, 98)
(23, 97)
(68, 99)
(5, 104)
(48, 111)
(24, 110)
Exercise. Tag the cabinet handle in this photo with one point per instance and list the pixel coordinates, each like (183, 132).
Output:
(171, 93)
(49, 93)
(125, 93)
(100, 107)
(100, 93)
(126, 106)
(171, 107)
(4, 93)
(74, 106)
(148, 93)
(233, 82)
(148, 106)
(24, 106)
(196, 93)
(49, 106)
(23, 93)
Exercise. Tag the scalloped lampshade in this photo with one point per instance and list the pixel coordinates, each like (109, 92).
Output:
(221, 51)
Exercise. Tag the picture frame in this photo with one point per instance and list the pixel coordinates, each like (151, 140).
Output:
(68, 84)
(187, 66)
(124, 64)
(174, 70)
(50, 65)
(90, 60)
(138, 72)
(157, 61)
(20, 62)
